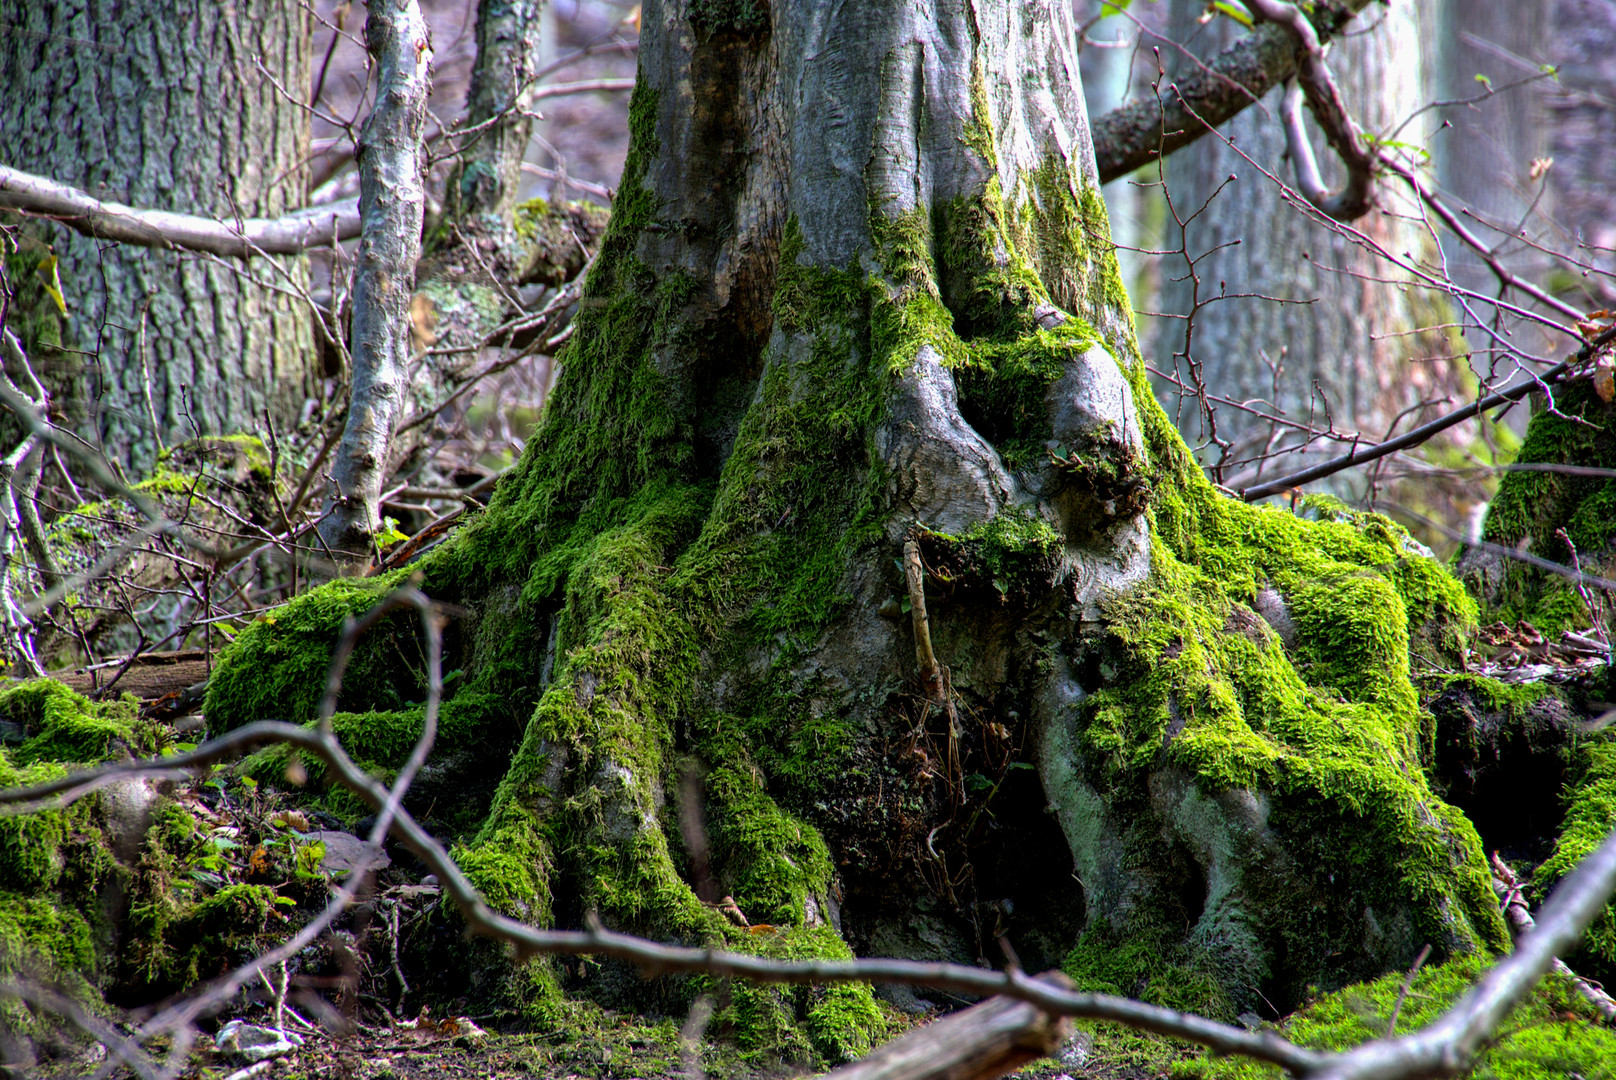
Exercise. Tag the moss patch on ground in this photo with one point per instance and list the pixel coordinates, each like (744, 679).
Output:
(1554, 1033)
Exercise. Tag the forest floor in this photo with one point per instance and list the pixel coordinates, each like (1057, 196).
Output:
(584, 1054)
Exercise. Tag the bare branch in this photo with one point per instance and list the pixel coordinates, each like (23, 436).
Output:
(979, 1043)
(1448, 1047)
(85, 213)
(1445, 1048)
(1521, 923)
(1418, 435)
(1140, 132)
(653, 958)
(1330, 110)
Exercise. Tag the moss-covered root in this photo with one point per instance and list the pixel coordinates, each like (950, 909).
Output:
(1259, 778)
(1590, 817)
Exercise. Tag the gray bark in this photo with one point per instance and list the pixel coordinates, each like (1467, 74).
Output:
(1483, 158)
(162, 105)
(488, 177)
(392, 204)
(1335, 341)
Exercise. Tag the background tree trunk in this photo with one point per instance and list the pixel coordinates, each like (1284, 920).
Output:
(169, 105)
(857, 306)
(1339, 350)
(488, 176)
(1484, 157)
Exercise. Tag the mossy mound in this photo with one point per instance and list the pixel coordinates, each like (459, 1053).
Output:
(1263, 775)
(1553, 1033)
(122, 893)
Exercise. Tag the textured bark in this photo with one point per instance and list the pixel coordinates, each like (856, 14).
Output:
(1484, 158)
(1340, 341)
(392, 204)
(163, 106)
(489, 174)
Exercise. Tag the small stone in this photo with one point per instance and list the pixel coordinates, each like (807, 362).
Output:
(1075, 1054)
(1271, 606)
(251, 1043)
(345, 852)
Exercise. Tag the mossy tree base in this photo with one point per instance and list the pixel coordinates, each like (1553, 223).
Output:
(857, 288)
(1565, 515)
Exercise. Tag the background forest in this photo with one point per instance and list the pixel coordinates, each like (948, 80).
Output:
(581, 540)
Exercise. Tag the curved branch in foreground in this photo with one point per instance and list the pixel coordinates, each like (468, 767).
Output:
(653, 958)
(84, 213)
(1446, 1048)
(1138, 133)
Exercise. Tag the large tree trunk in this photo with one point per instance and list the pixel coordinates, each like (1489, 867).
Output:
(857, 307)
(1320, 333)
(172, 106)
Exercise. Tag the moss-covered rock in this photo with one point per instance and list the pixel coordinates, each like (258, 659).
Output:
(55, 864)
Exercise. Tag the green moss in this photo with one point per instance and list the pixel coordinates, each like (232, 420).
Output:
(1148, 965)
(49, 944)
(54, 864)
(1072, 246)
(1015, 554)
(276, 667)
(63, 725)
(1330, 727)
(1532, 508)
(1003, 387)
(1590, 818)
(1552, 1034)
(1511, 699)
(182, 925)
(810, 1026)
